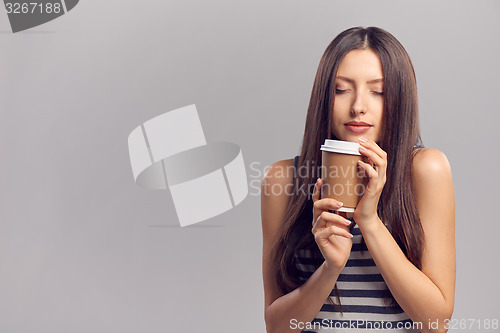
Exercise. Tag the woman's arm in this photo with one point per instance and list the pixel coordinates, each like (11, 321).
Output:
(426, 295)
(302, 304)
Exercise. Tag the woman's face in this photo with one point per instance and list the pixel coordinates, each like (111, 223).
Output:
(359, 100)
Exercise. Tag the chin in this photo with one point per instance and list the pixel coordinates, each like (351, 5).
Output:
(346, 135)
(354, 137)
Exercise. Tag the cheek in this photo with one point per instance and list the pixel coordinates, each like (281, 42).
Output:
(336, 117)
(336, 123)
(380, 115)
(376, 107)
(343, 103)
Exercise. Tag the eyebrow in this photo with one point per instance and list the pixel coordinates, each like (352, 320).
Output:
(352, 81)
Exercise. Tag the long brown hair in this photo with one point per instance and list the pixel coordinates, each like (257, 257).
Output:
(400, 134)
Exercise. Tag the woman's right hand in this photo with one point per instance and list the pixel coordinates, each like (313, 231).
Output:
(330, 230)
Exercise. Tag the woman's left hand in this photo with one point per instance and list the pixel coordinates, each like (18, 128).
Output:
(366, 210)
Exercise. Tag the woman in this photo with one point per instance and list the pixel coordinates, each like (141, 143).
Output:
(400, 272)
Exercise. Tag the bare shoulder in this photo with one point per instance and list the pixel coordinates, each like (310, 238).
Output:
(433, 188)
(274, 200)
(430, 164)
(275, 193)
(279, 173)
(436, 207)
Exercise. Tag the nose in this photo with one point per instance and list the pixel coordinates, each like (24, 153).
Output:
(359, 105)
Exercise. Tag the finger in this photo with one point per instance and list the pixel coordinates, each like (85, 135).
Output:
(372, 145)
(326, 204)
(369, 169)
(326, 217)
(326, 223)
(367, 160)
(326, 233)
(316, 190)
(372, 156)
(378, 163)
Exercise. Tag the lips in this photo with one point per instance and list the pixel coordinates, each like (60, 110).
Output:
(358, 126)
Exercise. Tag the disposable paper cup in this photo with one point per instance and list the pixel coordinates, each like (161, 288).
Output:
(343, 179)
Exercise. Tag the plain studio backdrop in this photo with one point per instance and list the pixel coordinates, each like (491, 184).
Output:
(83, 249)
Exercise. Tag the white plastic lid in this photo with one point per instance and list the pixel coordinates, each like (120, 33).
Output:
(342, 147)
(345, 209)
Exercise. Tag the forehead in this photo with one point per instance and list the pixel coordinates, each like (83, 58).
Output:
(361, 65)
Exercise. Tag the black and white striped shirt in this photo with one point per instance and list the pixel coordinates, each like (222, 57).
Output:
(364, 297)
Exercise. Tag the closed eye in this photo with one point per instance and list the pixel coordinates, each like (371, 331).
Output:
(339, 91)
(381, 93)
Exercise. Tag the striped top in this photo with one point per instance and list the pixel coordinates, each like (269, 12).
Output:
(364, 297)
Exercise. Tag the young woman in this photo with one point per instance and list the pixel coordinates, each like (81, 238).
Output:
(395, 269)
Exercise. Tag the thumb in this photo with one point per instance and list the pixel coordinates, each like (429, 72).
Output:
(317, 190)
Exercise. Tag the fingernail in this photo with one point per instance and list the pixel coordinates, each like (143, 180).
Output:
(339, 204)
(351, 235)
(362, 139)
(347, 222)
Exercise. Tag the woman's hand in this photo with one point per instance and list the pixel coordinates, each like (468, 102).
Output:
(331, 231)
(366, 210)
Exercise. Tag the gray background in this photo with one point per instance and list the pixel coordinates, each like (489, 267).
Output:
(83, 249)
